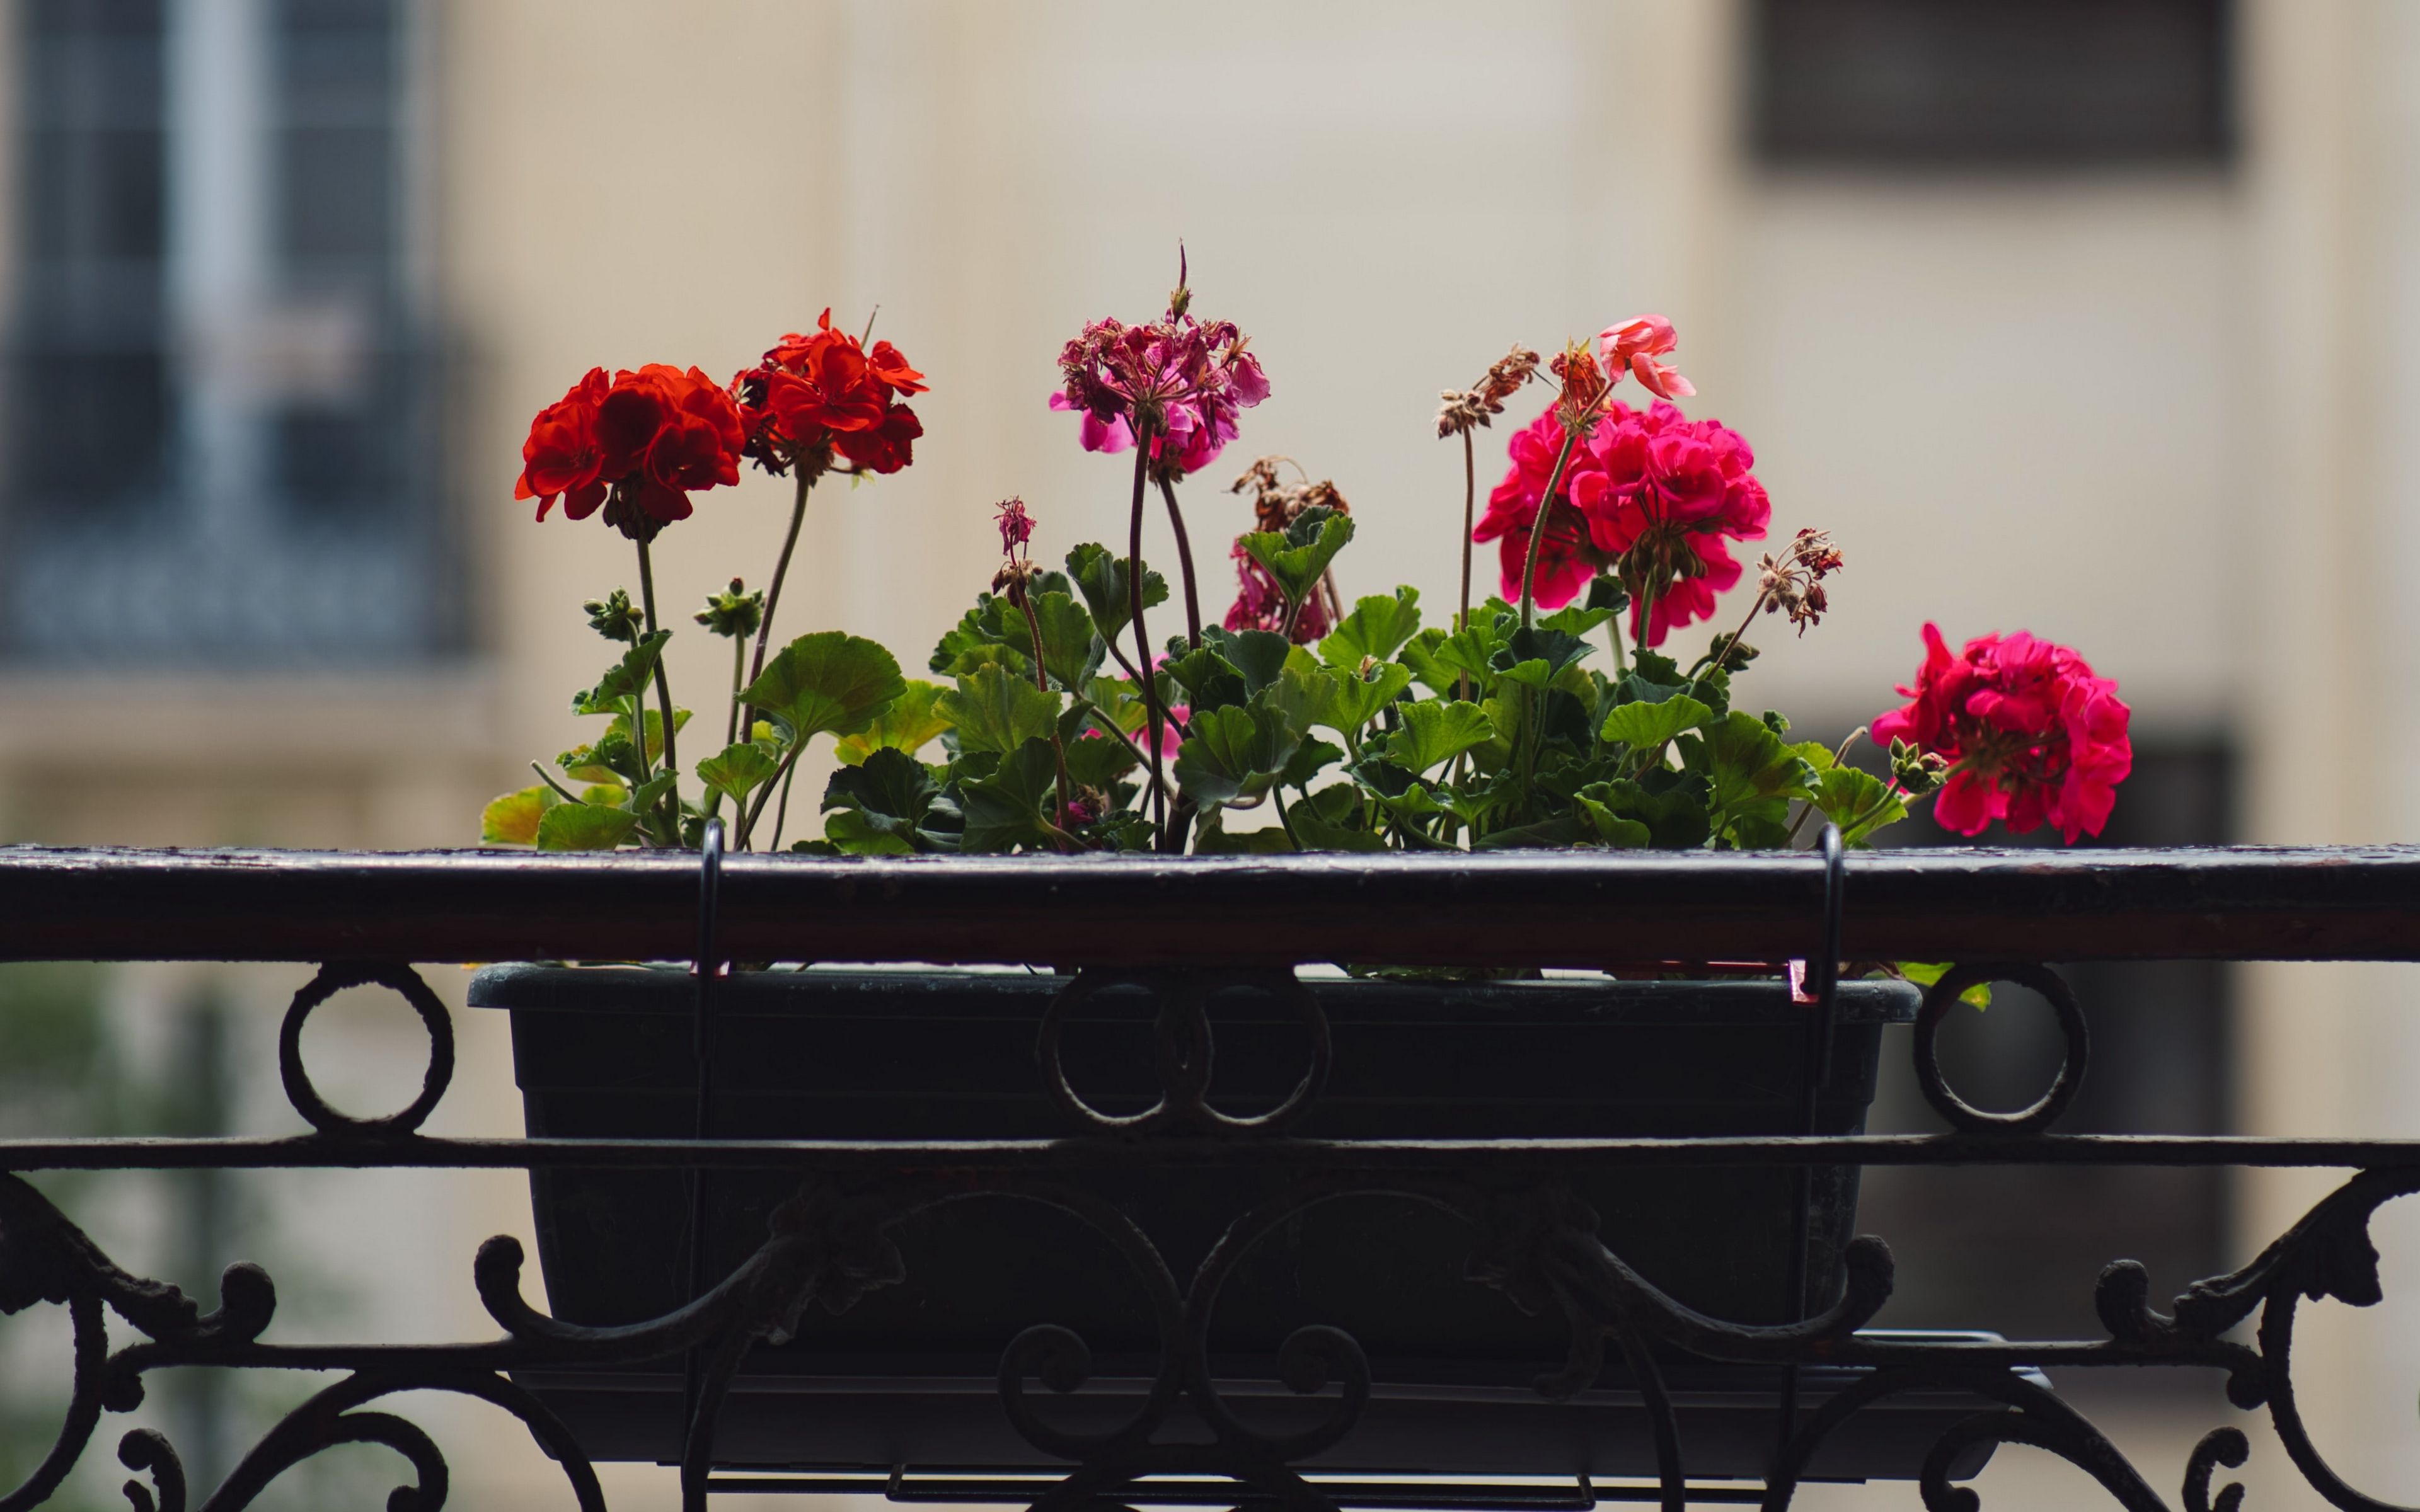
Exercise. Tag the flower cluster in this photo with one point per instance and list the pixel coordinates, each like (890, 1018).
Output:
(2030, 735)
(1656, 494)
(1180, 380)
(824, 392)
(1484, 730)
(643, 440)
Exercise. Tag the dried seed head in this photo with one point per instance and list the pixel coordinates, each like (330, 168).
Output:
(1792, 583)
(1464, 409)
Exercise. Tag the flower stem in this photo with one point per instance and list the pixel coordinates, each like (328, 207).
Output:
(1041, 682)
(1110, 726)
(781, 571)
(1185, 564)
(765, 792)
(1538, 529)
(1469, 523)
(781, 810)
(1142, 639)
(1285, 821)
(739, 676)
(663, 695)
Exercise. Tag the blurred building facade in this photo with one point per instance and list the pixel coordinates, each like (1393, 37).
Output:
(2099, 325)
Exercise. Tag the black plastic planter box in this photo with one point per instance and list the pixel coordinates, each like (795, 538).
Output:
(907, 1375)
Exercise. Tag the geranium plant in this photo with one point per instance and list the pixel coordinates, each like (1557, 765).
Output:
(1052, 719)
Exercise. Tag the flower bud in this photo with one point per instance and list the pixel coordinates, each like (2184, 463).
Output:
(614, 617)
(734, 613)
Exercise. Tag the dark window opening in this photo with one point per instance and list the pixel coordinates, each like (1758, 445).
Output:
(1991, 84)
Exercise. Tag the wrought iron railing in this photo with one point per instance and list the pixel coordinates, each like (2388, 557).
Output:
(2001, 915)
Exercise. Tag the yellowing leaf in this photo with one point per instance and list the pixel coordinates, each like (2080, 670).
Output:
(513, 819)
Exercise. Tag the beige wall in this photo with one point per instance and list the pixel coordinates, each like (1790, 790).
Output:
(2159, 416)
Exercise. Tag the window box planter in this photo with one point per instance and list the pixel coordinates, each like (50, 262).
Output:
(910, 1374)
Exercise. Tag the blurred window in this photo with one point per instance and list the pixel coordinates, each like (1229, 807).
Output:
(2016, 1248)
(219, 410)
(1966, 83)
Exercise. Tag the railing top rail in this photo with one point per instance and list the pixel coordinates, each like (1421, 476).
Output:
(1563, 908)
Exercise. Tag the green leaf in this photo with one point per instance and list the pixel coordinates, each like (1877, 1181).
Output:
(1750, 774)
(1234, 753)
(513, 819)
(1442, 661)
(1095, 760)
(1257, 656)
(738, 770)
(655, 725)
(850, 832)
(1071, 652)
(1211, 837)
(1562, 831)
(1578, 619)
(1374, 631)
(1612, 829)
(1433, 734)
(1858, 802)
(1309, 760)
(983, 634)
(611, 795)
(912, 722)
(1104, 581)
(1316, 834)
(1013, 806)
(1210, 681)
(894, 799)
(1300, 555)
(1675, 817)
(996, 711)
(1351, 700)
(1524, 648)
(584, 826)
(625, 680)
(1650, 727)
(1925, 973)
(827, 683)
(598, 764)
(643, 798)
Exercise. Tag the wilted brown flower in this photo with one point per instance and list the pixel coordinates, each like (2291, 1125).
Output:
(1466, 408)
(1584, 388)
(1273, 504)
(1792, 583)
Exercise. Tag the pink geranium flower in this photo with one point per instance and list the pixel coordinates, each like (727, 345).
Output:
(1635, 345)
(1649, 491)
(2031, 735)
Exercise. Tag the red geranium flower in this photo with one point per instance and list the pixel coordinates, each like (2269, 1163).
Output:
(823, 391)
(560, 458)
(2031, 735)
(653, 435)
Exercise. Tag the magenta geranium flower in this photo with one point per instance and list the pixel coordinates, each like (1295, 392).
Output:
(1183, 380)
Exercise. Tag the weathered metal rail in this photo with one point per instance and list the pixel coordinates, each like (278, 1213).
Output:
(1569, 909)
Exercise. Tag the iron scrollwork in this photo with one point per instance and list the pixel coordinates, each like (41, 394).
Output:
(831, 1242)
